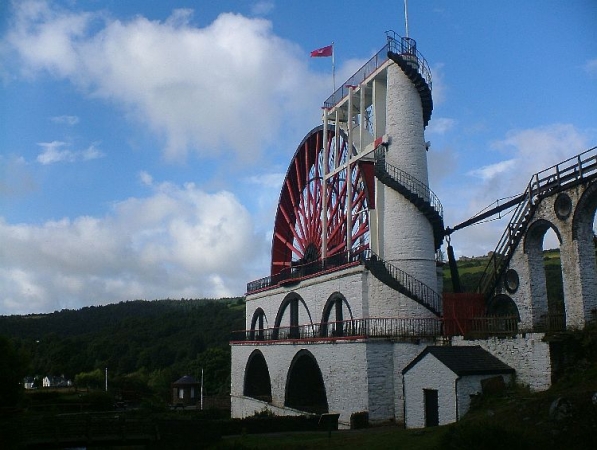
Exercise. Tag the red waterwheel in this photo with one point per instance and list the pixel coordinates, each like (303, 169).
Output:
(299, 222)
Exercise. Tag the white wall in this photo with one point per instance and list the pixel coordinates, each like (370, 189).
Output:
(358, 375)
(527, 354)
(407, 240)
(429, 373)
(343, 365)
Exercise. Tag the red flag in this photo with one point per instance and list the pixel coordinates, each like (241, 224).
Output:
(323, 51)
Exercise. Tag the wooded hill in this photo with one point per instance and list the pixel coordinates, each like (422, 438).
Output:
(142, 343)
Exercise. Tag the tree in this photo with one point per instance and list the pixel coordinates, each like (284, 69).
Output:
(94, 379)
(13, 368)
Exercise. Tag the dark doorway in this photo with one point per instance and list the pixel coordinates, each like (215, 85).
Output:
(257, 380)
(431, 408)
(305, 390)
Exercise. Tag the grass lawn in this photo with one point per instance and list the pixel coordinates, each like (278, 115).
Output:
(386, 437)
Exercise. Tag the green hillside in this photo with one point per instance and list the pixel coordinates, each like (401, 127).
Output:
(140, 342)
(470, 271)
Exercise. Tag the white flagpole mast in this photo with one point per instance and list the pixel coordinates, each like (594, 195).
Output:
(406, 16)
(333, 67)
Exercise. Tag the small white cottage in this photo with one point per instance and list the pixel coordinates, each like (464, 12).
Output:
(439, 383)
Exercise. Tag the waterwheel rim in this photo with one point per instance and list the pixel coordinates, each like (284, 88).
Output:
(298, 226)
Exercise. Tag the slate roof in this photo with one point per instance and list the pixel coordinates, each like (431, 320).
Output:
(186, 380)
(471, 360)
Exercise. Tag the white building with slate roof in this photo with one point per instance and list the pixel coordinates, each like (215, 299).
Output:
(440, 383)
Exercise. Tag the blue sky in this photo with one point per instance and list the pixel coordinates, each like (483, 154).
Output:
(144, 143)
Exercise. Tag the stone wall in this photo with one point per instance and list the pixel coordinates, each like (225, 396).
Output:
(471, 385)
(343, 365)
(527, 354)
(358, 375)
(573, 224)
(365, 295)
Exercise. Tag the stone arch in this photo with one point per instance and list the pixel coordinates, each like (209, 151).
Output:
(305, 389)
(542, 310)
(584, 213)
(257, 380)
(292, 301)
(258, 324)
(582, 251)
(336, 304)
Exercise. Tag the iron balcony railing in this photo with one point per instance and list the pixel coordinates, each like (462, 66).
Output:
(301, 271)
(396, 44)
(409, 182)
(553, 322)
(401, 328)
(386, 272)
(492, 326)
(354, 328)
(407, 48)
(568, 173)
(360, 75)
(407, 284)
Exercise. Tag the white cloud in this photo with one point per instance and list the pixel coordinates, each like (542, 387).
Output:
(230, 85)
(65, 120)
(145, 178)
(438, 86)
(440, 125)
(538, 148)
(52, 153)
(90, 153)
(527, 151)
(262, 7)
(178, 242)
(591, 67)
(492, 170)
(15, 177)
(55, 152)
(268, 181)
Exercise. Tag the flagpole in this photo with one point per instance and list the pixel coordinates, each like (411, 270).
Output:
(333, 67)
(406, 16)
(202, 389)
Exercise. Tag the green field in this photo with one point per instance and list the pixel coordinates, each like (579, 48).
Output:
(470, 271)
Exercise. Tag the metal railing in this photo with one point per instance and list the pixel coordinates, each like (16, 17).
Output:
(360, 75)
(570, 172)
(402, 328)
(553, 322)
(301, 271)
(407, 48)
(396, 44)
(354, 328)
(409, 182)
(508, 241)
(417, 290)
(493, 326)
(408, 284)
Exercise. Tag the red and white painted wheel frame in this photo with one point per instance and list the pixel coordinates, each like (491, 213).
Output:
(303, 213)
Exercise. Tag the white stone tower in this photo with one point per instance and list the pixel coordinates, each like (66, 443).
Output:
(406, 239)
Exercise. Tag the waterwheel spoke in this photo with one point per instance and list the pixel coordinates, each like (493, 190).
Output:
(298, 226)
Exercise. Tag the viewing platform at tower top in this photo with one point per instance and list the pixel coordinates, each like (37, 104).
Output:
(404, 48)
